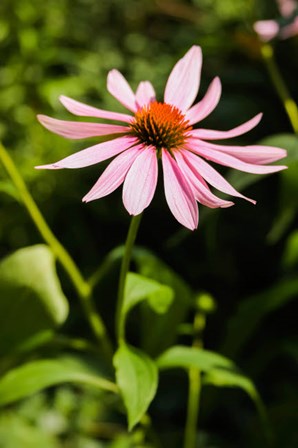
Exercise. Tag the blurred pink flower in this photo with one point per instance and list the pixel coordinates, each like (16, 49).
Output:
(286, 7)
(269, 29)
(162, 131)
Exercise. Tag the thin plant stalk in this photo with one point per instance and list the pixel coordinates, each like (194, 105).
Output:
(195, 386)
(281, 88)
(83, 289)
(131, 236)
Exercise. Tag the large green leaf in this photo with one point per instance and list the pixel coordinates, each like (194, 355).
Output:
(188, 357)
(31, 298)
(159, 331)
(37, 375)
(137, 378)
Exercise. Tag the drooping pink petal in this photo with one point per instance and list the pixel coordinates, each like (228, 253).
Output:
(121, 90)
(83, 110)
(179, 195)
(266, 29)
(209, 134)
(201, 190)
(94, 154)
(184, 80)
(113, 175)
(230, 161)
(257, 154)
(211, 175)
(145, 93)
(76, 130)
(207, 105)
(140, 182)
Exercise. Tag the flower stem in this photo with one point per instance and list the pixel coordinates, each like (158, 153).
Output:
(195, 385)
(83, 289)
(131, 236)
(289, 104)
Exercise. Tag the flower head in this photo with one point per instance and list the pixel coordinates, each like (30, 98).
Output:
(162, 131)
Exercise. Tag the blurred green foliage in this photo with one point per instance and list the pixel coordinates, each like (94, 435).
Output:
(245, 257)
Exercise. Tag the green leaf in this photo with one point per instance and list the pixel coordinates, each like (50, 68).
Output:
(160, 331)
(37, 375)
(188, 357)
(139, 288)
(137, 378)
(229, 378)
(31, 298)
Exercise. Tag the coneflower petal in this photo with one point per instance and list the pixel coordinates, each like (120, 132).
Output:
(179, 195)
(184, 80)
(113, 175)
(140, 183)
(93, 155)
(83, 110)
(121, 90)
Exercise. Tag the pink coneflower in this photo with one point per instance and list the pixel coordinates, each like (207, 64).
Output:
(269, 29)
(162, 131)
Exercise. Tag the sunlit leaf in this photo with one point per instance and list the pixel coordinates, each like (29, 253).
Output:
(31, 298)
(137, 378)
(37, 375)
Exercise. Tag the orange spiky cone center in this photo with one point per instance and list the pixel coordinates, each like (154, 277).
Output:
(161, 125)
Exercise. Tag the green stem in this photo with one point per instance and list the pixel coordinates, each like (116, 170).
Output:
(280, 86)
(195, 386)
(83, 289)
(194, 393)
(131, 236)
